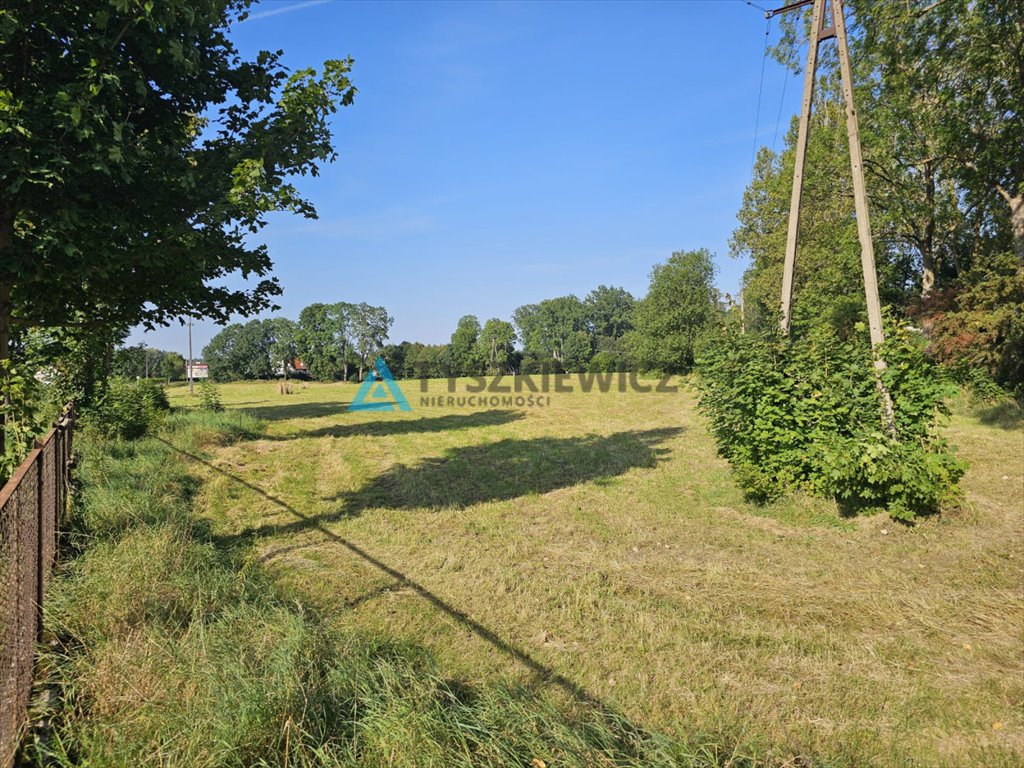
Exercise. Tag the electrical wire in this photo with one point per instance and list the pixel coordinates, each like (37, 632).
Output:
(760, 91)
(782, 102)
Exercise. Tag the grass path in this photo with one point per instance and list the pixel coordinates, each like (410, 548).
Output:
(597, 546)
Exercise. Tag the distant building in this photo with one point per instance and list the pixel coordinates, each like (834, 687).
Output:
(197, 371)
(296, 369)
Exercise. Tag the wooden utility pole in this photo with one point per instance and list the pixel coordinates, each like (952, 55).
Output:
(810, 71)
(189, 357)
(819, 33)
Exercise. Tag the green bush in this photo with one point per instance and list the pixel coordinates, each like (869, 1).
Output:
(209, 396)
(807, 414)
(21, 417)
(128, 409)
(604, 362)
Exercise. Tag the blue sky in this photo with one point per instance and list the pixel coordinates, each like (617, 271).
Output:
(501, 153)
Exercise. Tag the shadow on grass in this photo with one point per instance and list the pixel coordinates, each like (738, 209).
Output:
(296, 410)
(397, 426)
(1007, 414)
(542, 673)
(508, 469)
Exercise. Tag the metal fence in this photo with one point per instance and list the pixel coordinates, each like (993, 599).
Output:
(32, 505)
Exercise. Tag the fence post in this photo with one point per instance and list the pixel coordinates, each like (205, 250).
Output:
(40, 535)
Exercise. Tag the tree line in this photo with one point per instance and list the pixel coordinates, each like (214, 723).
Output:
(332, 340)
(608, 330)
(141, 362)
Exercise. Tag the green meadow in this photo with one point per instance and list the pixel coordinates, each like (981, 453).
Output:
(595, 550)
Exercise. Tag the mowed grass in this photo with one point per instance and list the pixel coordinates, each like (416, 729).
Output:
(596, 548)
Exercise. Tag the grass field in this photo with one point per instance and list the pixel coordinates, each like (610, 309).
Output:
(597, 548)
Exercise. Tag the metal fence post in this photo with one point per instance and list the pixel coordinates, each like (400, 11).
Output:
(40, 535)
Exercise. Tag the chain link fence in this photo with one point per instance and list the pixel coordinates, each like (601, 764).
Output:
(32, 505)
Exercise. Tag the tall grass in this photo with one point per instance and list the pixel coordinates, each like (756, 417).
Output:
(173, 652)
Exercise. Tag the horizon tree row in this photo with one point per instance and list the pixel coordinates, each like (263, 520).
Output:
(608, 330)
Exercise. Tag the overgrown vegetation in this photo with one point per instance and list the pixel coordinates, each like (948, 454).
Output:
(21, 418)
(807, 414)
(127, 409)
(174, 651)
(209, 397)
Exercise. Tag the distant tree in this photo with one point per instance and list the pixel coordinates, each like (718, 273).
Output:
(129, 362)
(240, 352)
(140, 362)
(526, 320)
(395, 356)
(219, 353)
(283, 338)
(342, 315)
(680, 305)
(495, 346)
(462, 349)
(317, 341)
(426, 361)
(608, 312)
(577, 349)
(370, 326)
(172, 366)
(555, 329)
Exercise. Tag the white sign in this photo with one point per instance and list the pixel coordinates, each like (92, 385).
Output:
(197, 371)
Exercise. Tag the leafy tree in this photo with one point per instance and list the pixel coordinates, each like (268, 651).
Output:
(139, 152)
(426, 361)
(172, 366)
(555, 329)
(342, 315)
(609, 312)
(283, 337)
(129, 362)
(317, 341)
(940, 118)
(241, 351)
(828, 288)
(681, 304)
(496, 346)
(370, 326)
(982, 327)
(141, 362)
(462, 350)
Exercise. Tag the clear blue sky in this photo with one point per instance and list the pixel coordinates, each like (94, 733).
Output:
(501, 153)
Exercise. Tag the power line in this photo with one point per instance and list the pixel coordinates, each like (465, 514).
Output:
(782, 102)
(760, 90)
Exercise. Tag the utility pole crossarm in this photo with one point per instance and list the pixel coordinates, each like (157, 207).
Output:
(790, 7)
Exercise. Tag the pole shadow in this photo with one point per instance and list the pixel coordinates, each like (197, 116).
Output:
(541, 672)
(404, 426)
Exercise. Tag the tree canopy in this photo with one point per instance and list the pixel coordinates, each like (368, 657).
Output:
(151, 103)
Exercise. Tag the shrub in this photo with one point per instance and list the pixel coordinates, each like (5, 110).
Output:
(128, 409)
(807, 414)
(540, 365)
(982, 324)
(23, 412)
(604, 362)
(209, 396)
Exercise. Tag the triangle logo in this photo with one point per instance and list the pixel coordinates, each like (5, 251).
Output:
(379, 391)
